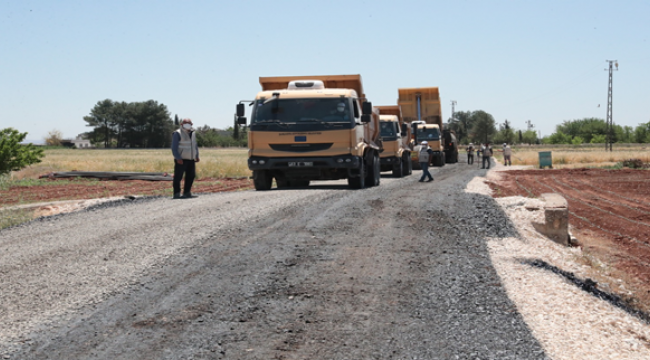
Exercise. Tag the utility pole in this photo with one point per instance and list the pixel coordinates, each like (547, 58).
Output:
(610, 122)
(530, 125)
(453, 109)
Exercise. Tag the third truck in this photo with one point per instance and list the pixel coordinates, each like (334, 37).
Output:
(421, 109)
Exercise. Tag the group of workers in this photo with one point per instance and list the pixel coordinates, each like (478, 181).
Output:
(425, 157)
(487, 152)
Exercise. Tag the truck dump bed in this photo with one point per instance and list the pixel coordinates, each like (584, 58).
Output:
(331, 81)
(391, 110)
(430, 111)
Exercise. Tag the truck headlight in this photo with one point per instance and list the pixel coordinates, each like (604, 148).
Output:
(254, 162)
(262, 162)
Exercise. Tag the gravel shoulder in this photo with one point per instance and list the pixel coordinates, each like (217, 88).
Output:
(404, 270)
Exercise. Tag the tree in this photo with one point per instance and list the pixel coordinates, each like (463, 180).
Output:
(100, 119)
(461, 124)
(14, 155)
(558, 137)
(138, 124)
(577, 140)
(598, 139)
(176, 121)
(529, 137)
(642, 133)
(54, 138)
(482, 126)
(586, 128)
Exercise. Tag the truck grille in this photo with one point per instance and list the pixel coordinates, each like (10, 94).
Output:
(300, 148)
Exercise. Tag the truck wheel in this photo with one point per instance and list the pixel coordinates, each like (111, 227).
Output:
(374, 171)
(409, 164)
(262, 180)
(442, 159)
(398, 169)
(358, 182)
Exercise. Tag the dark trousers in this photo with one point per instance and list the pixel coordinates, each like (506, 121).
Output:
(188, 167)
(425, 171)
(486, 160)
(470, 158)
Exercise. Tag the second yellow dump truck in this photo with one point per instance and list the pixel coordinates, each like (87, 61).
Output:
(306, 128)
(396, 141)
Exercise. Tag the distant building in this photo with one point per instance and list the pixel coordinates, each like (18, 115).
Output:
(77, 143)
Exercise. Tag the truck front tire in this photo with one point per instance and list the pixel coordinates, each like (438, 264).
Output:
(358, 182)
(262, 180)
(374, 171)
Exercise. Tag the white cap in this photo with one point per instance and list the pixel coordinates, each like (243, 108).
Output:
(471, 144)
(504, 144)
(424, 143)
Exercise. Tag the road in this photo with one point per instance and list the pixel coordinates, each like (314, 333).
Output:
(399, 271)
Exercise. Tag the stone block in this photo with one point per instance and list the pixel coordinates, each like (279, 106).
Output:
(556, 219)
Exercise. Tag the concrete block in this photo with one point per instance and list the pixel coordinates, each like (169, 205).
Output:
(556, 219)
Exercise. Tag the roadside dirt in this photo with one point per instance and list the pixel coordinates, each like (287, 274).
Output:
(82, 189)
(609, 213)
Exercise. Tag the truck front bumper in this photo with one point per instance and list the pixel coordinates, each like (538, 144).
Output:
(295, 163)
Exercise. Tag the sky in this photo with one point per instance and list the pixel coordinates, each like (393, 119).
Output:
(543, 61)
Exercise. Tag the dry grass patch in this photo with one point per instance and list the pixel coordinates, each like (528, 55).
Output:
(215, 163)
(571, 157)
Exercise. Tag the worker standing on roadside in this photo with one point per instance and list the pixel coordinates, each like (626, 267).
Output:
(507, 154)
(186, 155)
(487, 154)
(470, 154)
(424, 158)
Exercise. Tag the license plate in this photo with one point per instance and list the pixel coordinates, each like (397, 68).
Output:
(300, 163)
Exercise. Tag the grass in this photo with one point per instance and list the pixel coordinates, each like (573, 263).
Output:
(10, 218)
(576, 156)
(215, 163)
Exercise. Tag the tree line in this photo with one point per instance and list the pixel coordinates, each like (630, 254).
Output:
(480, 127)
(130, 125)
(594, 131)
(147, 125)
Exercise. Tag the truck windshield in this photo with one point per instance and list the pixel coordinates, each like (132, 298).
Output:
(293, 111)
(388, 130)
(427, 134)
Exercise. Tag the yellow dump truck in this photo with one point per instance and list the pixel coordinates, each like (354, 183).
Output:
(306, 128)
(396, 141)
(421, 109)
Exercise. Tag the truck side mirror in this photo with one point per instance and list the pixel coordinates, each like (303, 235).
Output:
(241, 120)
(240, 110)
(366, 109)
(405, 129)
(365, 118)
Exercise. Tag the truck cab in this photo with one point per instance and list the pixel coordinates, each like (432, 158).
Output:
(395, 136)
(312, 128)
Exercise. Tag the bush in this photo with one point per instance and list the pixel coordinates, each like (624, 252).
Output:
(634, 164)
(15, 156)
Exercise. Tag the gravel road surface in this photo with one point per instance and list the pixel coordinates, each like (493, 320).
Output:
(399, 271)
